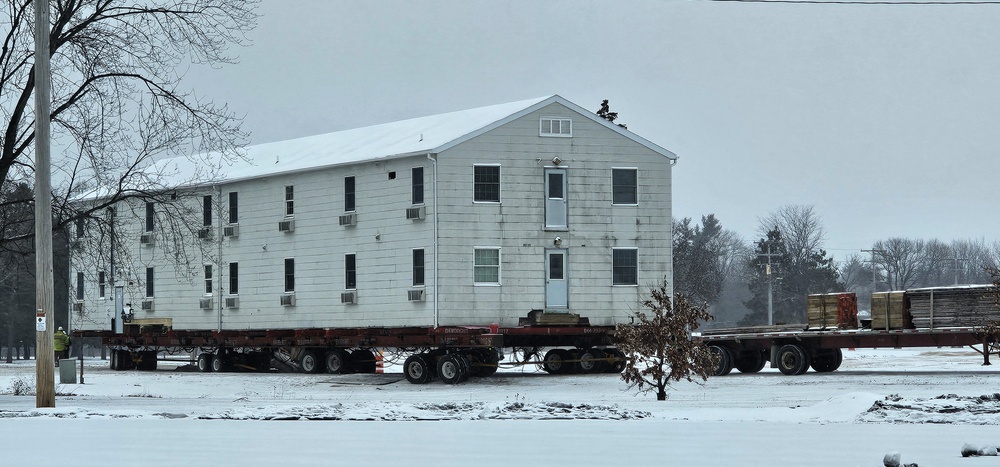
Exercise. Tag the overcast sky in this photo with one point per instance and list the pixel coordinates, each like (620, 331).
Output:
(883, 117)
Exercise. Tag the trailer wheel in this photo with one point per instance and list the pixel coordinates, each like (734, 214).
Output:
(792, 360)
(592, 361)
(338, 362)
(310, 362)
(417, 370)
(148, 360)
(220, 363)
(363, 361)
(750, 361)
(114, 359)
(489, 362)
(556, 362)
(205, 362)
(725, 357)
(827, 361)
(452, 369)
(616, 361)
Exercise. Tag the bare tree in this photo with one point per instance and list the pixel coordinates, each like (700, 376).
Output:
(800, 227)
(658, 347)
(117, 100)
(901, 258)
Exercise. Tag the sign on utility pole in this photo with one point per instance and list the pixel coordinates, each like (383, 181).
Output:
(45, 384)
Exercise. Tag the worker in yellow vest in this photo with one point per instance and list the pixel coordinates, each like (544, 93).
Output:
(60, 345)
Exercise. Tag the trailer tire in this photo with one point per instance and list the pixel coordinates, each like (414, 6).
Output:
(487, 364)
(725, 363)
(338, 362)
(792, 360)
(310, 362)
(148, 360)
(220, 363)
(828, 360)
(114, 360)
(750, 361)
(556, 362)
(417, 369)
(363, 361)
(616, 361)
(205, 362)
(452, 369)
(592, 361)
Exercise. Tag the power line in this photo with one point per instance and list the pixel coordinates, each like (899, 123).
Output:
(864, 2)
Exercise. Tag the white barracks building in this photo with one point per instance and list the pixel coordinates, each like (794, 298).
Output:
(465, 218)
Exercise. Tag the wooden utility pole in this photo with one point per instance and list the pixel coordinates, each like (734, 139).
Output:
(45, 391)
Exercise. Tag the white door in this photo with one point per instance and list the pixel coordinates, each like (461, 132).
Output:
(555, 199)
(556, 290)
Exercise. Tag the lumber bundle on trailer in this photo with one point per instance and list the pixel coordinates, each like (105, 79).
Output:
(832, 311)
(969, 305)
(890, 310)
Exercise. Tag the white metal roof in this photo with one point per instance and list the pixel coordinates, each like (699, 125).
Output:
(424, 135)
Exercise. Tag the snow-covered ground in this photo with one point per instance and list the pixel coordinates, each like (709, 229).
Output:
(926, 404)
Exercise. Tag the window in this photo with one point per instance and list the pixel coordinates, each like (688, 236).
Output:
(625, 266)
(149, 282)
(150, 215)
(623, 186)
(418, 266)
(79, 286)
(350, 272)
(487, 266)
(79, 227)
(289, 200)
(417, 185)
(558, 127)
(234, 278)
(101, 285)
(234, 206)
(208, 279)
(289, 274)
(206, 211)
(349, 194)
(487, 184)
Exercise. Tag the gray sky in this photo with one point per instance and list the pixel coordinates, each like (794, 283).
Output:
(883, 117)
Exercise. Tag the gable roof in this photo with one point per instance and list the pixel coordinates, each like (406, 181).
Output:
(423, 135)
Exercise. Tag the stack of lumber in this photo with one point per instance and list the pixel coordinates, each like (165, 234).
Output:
(832, 311)
(937, 307)
(890, 310)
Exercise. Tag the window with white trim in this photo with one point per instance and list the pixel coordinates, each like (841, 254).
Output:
(206, 210)
(486, 268)
(234, 278)
(555, 127)
(351, 271)
(624, 186)
(486, 182)
(150, 216)
(149, 282)
(349, 194)
(79, 286)
(289, 201)
(289, 274)
(418, 266)
(417, 185)
(101, 285)
(624, 266)
(234, 206)
(208, 279)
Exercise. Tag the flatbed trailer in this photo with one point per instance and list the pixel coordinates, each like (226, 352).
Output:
(449, 353)
(795, 349)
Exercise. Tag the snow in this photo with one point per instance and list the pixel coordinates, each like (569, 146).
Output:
(926, 404)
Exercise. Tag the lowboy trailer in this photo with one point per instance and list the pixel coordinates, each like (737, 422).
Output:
(451, 353)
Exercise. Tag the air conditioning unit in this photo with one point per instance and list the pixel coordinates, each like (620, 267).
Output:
(288, 299)
(205, 303)
(349, 297)
(146, 238)
(349, 219)
(232, 302)
(231, 230)
(205, 233)
(286, 225)
(78, 307)
(415, 295)
(147, 305)
(415, 213)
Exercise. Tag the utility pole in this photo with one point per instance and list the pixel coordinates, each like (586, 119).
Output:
(45, 390)
(770, 282)
(956, 259)
(874, 273)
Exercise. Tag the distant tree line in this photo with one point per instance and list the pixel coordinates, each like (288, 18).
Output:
(716, 266)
